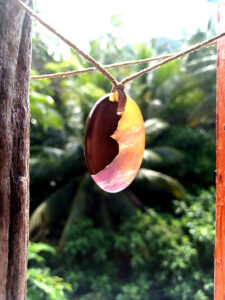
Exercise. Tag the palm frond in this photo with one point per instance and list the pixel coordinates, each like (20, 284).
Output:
(151, 159)
(55, 165)
(46, 151)
(153, 108)
(39, 219)
(161, 157)
(76, 209)
(152, 181)
(203, 111)
(154, 127)
(54, 208)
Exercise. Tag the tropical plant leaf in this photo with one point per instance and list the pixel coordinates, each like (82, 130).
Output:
(53, 286)
(46, 151)
(43, 111)
(76, 210)
(154, 127)
(161, 157)
(36, 97)
(150, 180)
(203, 111)
(151, 159)
(36, 248)
(203, 60)
(54, 208)
(51, 164)
(153, 108)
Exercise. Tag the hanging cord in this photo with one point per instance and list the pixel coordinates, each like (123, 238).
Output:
(194, 48)
(102, 69)
(69, 43)
(122, 97)
(111, 66)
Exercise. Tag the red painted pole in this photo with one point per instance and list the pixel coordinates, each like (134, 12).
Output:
(219, 288)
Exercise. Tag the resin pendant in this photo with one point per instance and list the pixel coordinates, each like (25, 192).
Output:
(114, 141)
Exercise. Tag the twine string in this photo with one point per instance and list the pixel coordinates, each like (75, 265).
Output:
(69, 43)
(122, 97)
(115, 65)
(165, 59)
(111, 66)
(181, 54)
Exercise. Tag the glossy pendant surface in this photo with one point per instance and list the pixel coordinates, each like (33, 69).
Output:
(114, 143)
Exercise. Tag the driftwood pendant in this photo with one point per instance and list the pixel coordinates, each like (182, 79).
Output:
(114, 141)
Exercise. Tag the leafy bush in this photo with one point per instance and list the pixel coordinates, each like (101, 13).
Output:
(152, 256)
(41, 284)
(198, 147)
(114, 252)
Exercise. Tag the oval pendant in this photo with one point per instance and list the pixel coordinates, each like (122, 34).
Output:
(114, 142)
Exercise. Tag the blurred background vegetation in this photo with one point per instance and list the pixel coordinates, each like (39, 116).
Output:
(155, 240)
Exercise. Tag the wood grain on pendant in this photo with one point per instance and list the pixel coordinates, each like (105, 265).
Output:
(114, 143)
(219, 286)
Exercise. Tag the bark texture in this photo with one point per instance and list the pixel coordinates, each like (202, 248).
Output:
(15, 58)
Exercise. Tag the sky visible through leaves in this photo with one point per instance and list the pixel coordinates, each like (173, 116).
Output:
(130, 21)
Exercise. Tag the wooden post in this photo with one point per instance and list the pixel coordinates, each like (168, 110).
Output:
(15, 57)
(219, 288)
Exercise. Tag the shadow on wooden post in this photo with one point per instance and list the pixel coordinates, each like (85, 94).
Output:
(15, 58)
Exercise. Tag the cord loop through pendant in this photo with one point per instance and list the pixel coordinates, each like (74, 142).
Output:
(122, 97)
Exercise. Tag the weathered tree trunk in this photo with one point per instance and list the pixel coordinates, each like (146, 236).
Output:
(15, 57)
(219, 293)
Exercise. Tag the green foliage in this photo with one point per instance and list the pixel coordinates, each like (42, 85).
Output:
(139, 244)
(35, 249)
(149, 180)
(151, 255)
(198, 148)
(41, 284)
(162, 157)
(43, 111)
